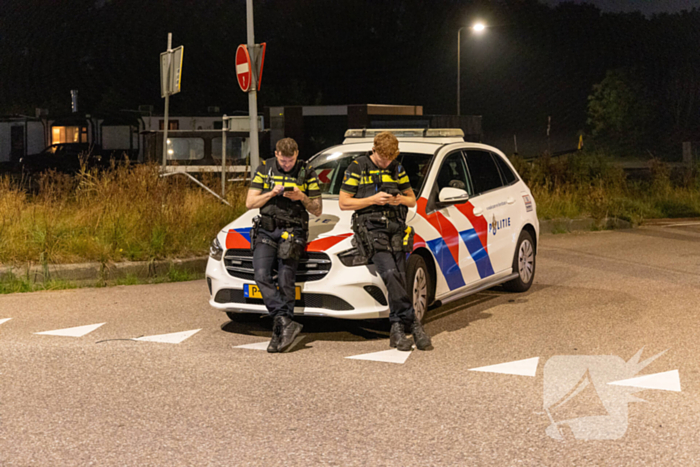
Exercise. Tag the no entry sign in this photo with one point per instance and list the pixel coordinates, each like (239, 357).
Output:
(244, 70)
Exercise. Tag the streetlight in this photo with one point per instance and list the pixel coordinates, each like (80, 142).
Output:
(477, 28)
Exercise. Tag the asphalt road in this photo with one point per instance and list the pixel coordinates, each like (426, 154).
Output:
(598, 299)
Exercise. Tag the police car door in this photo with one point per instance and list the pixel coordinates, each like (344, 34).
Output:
(460, 252)
(491, 202)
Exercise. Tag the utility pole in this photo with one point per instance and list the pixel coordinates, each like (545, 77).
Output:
(252, 94)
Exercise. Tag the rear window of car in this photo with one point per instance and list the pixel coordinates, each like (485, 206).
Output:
(506, 172)
(330, 169)
(483, 171)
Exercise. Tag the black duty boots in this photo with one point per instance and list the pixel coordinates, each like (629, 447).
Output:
(398, 339)
(276, 335)
(421, 339)
(288, 332)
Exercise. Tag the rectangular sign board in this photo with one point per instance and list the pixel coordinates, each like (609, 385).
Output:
(171, 71)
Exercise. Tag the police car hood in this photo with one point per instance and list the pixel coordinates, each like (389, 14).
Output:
(330, 232)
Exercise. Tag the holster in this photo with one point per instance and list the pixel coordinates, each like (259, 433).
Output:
(254, 231)
(403, 240)
(291, 246)
(361, 238)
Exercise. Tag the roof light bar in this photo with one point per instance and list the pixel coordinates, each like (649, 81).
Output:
(437, 132)
(406, 132)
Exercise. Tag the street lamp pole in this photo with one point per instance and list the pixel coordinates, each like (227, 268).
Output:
(459, 44)
(478, 27)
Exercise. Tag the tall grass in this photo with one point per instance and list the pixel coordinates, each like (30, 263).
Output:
(124, 213)
(591, 185)
(130, 213)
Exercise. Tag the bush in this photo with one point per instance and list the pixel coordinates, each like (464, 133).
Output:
(589, 184)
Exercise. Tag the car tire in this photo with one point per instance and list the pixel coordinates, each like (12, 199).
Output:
(243, 317)
(523, 264)
(419, 285)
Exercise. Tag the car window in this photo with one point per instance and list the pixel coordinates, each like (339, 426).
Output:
(185, 149)
(506, 173)
(330, 169)
(453, 173)
(483, 171)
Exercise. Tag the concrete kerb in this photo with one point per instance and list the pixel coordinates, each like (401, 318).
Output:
(85, 272)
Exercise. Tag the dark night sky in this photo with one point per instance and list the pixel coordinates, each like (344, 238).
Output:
(539, 59)
(646, 7)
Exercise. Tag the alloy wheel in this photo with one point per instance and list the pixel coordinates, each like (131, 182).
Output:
(420, 293)
(526, 261)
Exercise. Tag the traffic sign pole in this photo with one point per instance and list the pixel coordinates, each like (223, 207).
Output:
(167, 102)
(252, 95)
(224, 172)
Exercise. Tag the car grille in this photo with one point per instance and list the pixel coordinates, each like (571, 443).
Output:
(311, 300)
(312, 267)
(376, 293)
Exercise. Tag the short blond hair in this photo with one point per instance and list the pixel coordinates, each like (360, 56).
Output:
(386, 145)
(287, 147)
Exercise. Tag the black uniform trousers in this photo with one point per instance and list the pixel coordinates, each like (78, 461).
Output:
(391, 267)
(279, 302)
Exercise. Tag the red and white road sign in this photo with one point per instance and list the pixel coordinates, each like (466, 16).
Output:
(244, 71)
(323, 175)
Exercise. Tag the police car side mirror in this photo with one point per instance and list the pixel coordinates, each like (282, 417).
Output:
(449, 195)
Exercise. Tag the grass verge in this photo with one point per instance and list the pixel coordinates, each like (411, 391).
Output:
(11, 283)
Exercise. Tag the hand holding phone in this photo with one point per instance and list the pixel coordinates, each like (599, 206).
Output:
(289, 188)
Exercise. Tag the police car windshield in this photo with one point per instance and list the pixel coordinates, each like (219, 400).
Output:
(330, 169)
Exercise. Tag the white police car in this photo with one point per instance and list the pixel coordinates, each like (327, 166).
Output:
(475, 221)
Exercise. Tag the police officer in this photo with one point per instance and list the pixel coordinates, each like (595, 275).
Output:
(377, 188)
(284, 189)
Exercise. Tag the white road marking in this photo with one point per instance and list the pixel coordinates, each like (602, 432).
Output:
(389, 356)
(5, 320)
(172, 338)
(78, 331)
(527, 367)
(666, 381)
(256, 346)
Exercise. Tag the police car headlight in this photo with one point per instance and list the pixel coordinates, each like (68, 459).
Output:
(352, 257)
(215, 250)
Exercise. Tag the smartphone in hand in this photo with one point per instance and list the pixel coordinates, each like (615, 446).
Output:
(289, 188)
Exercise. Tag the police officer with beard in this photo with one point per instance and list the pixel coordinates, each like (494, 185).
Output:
(377, 188)
(285, 190)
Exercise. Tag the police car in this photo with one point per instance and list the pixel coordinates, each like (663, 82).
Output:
(475, 222)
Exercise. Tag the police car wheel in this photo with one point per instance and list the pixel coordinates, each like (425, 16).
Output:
(419, 285)
(243, 317)
(523, 264)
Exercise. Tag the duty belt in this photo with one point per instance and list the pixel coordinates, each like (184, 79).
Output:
(380, 214)
(280, 223)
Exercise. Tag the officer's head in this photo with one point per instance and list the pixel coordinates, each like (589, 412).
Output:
(385, 150)
(286, 152)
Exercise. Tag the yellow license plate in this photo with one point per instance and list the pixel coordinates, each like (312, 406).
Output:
(252, 291)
